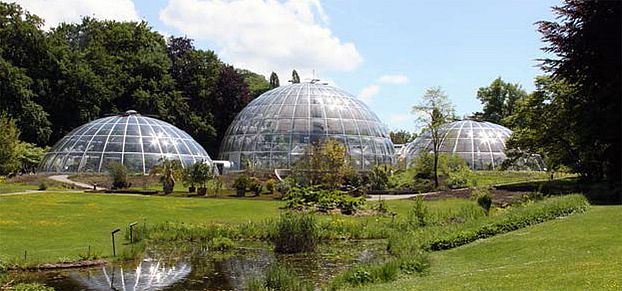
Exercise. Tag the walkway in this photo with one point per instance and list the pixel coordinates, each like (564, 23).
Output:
(65, 179)
(377, 197)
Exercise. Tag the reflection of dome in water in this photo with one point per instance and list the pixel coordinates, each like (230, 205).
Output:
(276, 128)
(148, 275)
(480, 144)
(132, 139)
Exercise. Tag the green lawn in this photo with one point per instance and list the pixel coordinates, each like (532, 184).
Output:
(580, 252)
(50, 226)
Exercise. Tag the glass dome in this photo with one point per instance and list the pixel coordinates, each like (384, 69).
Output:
(480, 144)
(136, 141)
(277, 127)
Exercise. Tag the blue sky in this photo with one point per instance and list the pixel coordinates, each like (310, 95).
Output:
(385, 52)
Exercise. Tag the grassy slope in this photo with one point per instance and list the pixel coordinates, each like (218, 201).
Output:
(581, 252)
(54, 225)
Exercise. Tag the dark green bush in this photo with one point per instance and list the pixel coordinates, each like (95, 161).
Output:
(43, 186)
(295, 233)
(379, 177)
(483, 198)
(118, 173)
(322, 199)
(240, 184)
(254, 185)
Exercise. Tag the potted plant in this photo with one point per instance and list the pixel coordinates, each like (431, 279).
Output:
(240, 184)
(169, 171)
(255, 185)
(188, 179)
(203, 175)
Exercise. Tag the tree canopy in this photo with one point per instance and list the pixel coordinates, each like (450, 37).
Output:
(498, 101)
(51, 82)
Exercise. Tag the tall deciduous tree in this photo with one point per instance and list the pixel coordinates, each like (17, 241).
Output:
(434, 110)
(274, 80)
(586, 40)
(9, 145)
(498, 100)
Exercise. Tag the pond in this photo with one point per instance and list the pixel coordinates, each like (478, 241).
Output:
(196, 267)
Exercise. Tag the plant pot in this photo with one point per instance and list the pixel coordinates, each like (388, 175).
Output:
(202, 191)
(191, 189)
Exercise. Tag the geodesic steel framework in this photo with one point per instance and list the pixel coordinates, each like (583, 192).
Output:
(275, 129)
(136, 141)
(480, 144)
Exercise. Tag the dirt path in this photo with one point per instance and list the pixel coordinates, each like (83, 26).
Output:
(377, 197)
(65, 179)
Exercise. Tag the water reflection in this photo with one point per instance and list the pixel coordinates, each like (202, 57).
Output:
(148, 275)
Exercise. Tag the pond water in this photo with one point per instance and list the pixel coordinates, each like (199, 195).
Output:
(195, 267)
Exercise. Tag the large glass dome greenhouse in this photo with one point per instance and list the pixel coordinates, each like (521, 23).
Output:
(480, 144)
(136, 141)
(277, 127)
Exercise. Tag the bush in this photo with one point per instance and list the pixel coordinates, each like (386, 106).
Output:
(240, 184)
(270, 185)
(254, 185)
(322, 199)
(43, 186)
(118, 173)
(285, 185)
(379, 178)
(418, 215)
(483, 198)
(295, 233)
(459, 179)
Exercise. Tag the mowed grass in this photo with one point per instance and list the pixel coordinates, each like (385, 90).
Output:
(60, 226)
(580, 252)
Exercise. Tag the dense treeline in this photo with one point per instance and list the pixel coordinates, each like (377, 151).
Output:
(573, 116)
(53, 81)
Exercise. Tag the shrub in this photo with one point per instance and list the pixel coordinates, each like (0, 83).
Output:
(322, 199)
(118, 173)
(418, 215)
(460, 178)
(295, 233)
(285, 185)
(270, 185)
(43, 186)
(240, 184)
(379, 178)
(254, 185)
(483, 198)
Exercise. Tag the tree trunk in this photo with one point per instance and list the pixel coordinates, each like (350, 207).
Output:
(436, 169)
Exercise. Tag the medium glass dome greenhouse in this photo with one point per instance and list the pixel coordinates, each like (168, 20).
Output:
(480, 144)
(276, 128)
(136, 141)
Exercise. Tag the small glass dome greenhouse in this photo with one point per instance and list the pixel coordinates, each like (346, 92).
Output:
(277, 127)
(480, 144)
(136, 141)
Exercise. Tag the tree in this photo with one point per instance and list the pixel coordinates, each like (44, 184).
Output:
(402, 136)
(498, 101)
(434, 110)
(256, 83)
(274, 80)
(324, 163)
(9, 143)
(295, 77)
(587, 45)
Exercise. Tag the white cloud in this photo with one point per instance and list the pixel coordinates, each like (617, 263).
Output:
(265, 35)
(57, 11)
(393, 79)
(368, 93)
